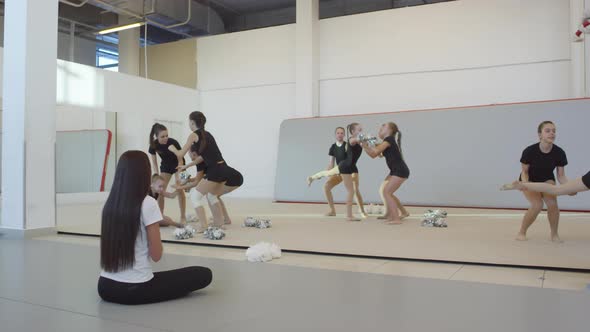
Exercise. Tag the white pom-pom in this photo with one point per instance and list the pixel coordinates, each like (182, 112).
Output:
(263, 252)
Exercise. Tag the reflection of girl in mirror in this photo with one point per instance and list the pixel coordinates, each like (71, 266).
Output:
(157, 190)
(232, 184)
(218, 172)
(345, 170)
(398, 170)
(159, 144)
(538, 163)
(130, 237)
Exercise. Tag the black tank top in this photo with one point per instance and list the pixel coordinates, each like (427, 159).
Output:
(353, 153)
(211, 154)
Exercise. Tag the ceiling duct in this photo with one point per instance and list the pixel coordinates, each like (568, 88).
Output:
(203, 20)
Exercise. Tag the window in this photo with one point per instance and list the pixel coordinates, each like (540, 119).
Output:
(107, 59)
(335, 8)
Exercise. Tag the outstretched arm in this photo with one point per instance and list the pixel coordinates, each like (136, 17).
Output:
(195, 162)
(376, 151)
(192, 138)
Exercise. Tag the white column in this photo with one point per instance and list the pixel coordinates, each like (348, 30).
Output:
(307, 59)
(28, 117)
(578, 63)
(129, 50)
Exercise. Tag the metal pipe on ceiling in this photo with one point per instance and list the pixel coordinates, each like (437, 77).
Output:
(77, 5)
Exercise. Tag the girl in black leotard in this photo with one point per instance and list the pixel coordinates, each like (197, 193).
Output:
(218, 172)
(348, 171)
(159, 144)
(398, 170)
(232, 184)
(538, 164)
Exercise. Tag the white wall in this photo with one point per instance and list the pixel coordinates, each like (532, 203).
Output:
(246, 80)
(449, 54)
(467, 52)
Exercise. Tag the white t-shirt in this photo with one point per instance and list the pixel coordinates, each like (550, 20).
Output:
(142, 269)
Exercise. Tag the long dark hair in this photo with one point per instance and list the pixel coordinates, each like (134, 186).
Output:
(349, 130)
(395, 130)
(122, 210)
(199, 119)
(157, 128)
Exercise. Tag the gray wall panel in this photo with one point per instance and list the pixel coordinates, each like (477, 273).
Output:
(457, 157)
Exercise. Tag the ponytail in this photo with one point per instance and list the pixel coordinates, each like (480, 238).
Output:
(199, 119)
(156, 129)
(399, 143)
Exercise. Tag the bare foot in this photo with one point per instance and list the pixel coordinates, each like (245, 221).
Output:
(364, 215)
(201, 228)
(227, 222)
(183, 221)
(330, 214)
(309, 181)
(383, 217)
(352, 219)
(521, 237)
(394, 222)
(555, 238)
(404, 216)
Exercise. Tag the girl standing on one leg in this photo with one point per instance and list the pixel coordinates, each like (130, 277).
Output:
(159, 146)
(538, 163)
(130, 238)
(398, 170)
(337, 154)
(348, 170)
(218, 172)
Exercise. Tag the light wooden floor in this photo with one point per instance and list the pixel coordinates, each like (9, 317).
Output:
(473, 235)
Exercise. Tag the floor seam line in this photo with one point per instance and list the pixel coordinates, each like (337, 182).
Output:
(459, 269)
(80, 313)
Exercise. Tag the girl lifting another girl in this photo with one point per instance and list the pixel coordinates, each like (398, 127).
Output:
(231, 185)
(398, 170)
(538, 163)
(347, 170)
(159, 146)
(218, 172)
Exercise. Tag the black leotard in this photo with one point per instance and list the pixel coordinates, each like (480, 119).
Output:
(169, 159)
(353, 153)
(586, 180)
(395, 161)
(542, 165)
(216, 168)
(338, 152)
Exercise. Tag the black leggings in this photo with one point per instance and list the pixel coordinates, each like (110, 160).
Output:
(164, 286)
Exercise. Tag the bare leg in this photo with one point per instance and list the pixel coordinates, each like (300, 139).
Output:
(347, 179)
(536, 201)
(402, 209)
(357, 194)
(392, 185)
(181, 200)
(385, 216)
(332, 182)
(205, 187)
(323, 174)
(167, 221)
(161, 198)
(226, 190)
(200, 211)
(553, 216)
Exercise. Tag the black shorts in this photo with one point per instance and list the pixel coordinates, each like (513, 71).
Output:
(222, 173)
(402, 172)
(586, 180)
(344, 168)
(170, 169)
